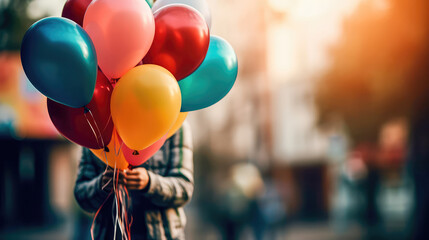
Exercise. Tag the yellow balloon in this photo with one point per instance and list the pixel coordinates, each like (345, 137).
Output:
(112, 153)
(145, 104)
(177, 124)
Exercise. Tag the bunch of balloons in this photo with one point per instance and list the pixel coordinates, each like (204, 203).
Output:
(121, 77)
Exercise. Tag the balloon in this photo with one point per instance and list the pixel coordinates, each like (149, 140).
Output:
(75, 10)
(145, 104)
(112, 154)
(149, 2)
(181, 40)
(200, 5)
(136, 158)
(59, 60)
(122, 32)
(177, 124)
(73, 124)
(213, 79)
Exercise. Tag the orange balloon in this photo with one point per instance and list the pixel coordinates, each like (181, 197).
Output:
(145, 104)
(177, 124)
(112, 153)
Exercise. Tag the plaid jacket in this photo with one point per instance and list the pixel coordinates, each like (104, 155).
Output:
(160, 207)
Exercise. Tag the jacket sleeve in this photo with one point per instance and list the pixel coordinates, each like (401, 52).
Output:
(87, 191)
(176, 187)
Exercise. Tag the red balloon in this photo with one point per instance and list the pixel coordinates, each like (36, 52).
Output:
(73, 124)
(181, 40)
(75, 10)
(136, 158)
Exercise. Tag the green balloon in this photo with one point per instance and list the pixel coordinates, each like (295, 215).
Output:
(213, 79)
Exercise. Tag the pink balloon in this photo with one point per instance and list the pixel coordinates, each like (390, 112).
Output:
(122, 32)
(136, 158)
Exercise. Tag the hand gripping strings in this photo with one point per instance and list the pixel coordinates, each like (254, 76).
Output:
(119, 192)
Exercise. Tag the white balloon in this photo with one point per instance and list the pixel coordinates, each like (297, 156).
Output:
(200, 5)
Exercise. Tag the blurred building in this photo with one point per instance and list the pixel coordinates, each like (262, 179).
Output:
(235, 125)
(269, 117)
(262, 138)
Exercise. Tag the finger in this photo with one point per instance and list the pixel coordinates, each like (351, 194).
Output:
(134, 186)
(132, 172)
(133, 177)
(135, 182)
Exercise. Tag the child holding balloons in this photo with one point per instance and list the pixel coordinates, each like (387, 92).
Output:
(158, 189)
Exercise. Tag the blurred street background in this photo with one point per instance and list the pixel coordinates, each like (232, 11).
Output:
(325, 134)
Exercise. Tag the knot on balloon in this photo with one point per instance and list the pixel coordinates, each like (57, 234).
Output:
(113, 81)
(106, 149)
(85, 110)
(135, 153)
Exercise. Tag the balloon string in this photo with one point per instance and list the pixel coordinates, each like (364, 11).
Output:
(115, 179)
(107, 124)
(96, 214)
(95, 135)
(93, 131)
(124, 220)
(105, 161)
(121, 219)
(120, 204)
(119, 150)
(120, 207)
(96, 125)
(128, 225)
(98, 143)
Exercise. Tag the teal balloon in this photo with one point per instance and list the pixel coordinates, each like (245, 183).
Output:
(150, 3)
(59, 59)
(213, 79)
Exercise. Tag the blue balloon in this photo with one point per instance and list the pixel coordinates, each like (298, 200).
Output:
(213, 79)
(59, 59)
